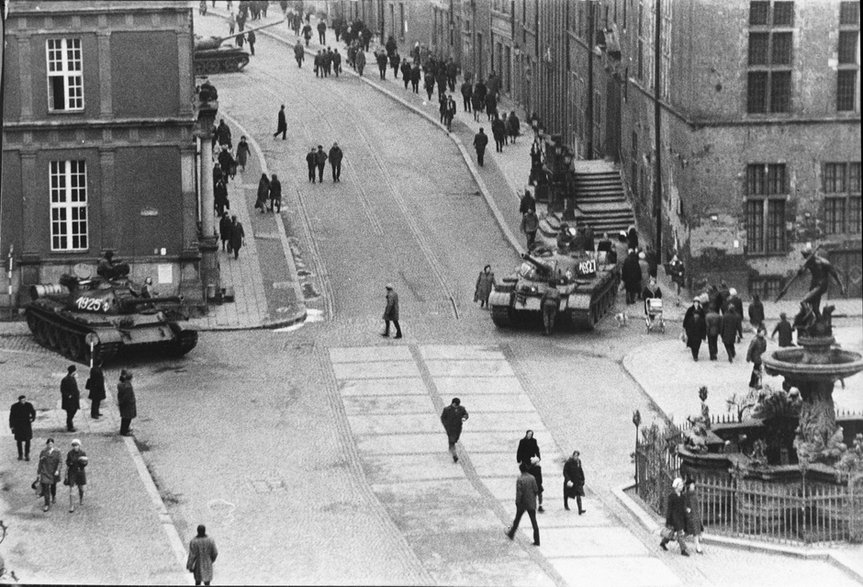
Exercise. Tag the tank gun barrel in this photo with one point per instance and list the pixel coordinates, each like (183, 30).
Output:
(540, 266)
(257, 28)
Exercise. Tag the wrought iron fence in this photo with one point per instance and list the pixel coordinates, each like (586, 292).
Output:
(798, 513)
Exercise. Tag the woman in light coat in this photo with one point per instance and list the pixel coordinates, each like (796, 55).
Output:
(484, 283)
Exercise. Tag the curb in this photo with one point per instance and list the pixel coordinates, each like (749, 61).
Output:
(648, 521)
(165, 520)
(297, 318)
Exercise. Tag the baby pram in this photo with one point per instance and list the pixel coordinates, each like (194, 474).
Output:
(653, 314)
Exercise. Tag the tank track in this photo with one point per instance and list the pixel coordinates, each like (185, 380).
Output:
(66, 337)
(206, 65)
(501, 316)
(599, 307)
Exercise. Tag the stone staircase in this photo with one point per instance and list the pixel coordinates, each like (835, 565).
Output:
(600, 197)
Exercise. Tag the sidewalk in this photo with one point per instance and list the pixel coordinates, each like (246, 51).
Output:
(264, 277)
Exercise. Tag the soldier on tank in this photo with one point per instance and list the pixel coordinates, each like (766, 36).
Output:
(109, 269)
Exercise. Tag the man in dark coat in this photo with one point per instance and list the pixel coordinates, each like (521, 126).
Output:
(225, 232)
(695, 327)
(251, 38)
(275, 194)
(391, 46)
(573, 481)
(227, 163)
(452, 418)
(282, 125)
(263, 193)
(307, 33)
(220, 197)
(337, 62)
(395, 62)
(491, 106)
(498, 131)
(321, 162)
(406, 72)
(526, 491)
(238, 236)
(299, 53)
(734, 300)
(311, 163)
(466, 94)
(480, 91)
(335, 158)
(21, 418)
(713, 322)
(322, 33)
(70, 396)
(756, 312)
(48, 472)
(528, 454)
(391, 312)
(381, 59)
(675, 517)
(451, 74)
(366, 36)
(96, 385)
(731, 331)
(785, 330)
(416, 76)
(527, 203)
(223, 134)
(126, 402)
(480, 141)
(631, 275)
(428, 84)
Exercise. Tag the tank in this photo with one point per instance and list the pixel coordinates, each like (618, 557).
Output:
(587, 289)
(111, 314)
(211, 57)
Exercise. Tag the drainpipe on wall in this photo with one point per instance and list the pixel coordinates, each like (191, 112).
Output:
(657, 119)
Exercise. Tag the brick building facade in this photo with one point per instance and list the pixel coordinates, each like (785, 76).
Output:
(759, 113)
(94, 157)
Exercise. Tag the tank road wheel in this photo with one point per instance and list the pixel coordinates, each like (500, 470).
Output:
(501, 316)
(75, 346)
(52, 335)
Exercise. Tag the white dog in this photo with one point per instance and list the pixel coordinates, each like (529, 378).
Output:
(621, 319)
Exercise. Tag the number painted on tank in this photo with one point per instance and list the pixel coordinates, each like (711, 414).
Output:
(587, 267)
(91, 304)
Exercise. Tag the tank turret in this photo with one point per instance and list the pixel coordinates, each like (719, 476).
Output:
(212, 57)
(111, 314)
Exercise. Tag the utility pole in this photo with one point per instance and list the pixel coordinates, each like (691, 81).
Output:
(657, 120)
(590, 34)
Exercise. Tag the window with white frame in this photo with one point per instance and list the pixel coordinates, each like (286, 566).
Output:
(65, 75)
(68, 183)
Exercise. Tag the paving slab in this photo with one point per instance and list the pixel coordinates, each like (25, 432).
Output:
(477, 558)
(427, 508)
(396, 424)
(460, 352)
(478, 368)
(376, 370)
(388, 404)
(393, 444)
(497, 402)
(381, 469)
(371, 386)
(594, 541)
(633, 571)
(370, 354)
(517, 422)
(455, 386)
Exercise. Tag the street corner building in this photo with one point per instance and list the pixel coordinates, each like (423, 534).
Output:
(99, 143)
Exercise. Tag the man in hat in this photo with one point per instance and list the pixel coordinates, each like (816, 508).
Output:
(321, 162)
(335, 157)
(452, 418)
(21, 417)
(785, 330)
(70, 396)
(391, 312)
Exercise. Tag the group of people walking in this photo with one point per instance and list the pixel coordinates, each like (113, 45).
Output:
(316, 160)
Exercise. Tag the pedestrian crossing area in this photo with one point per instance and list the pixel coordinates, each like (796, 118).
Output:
(454, 515)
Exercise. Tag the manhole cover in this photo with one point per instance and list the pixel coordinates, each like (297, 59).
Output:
(282, 285)
(267, 483)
